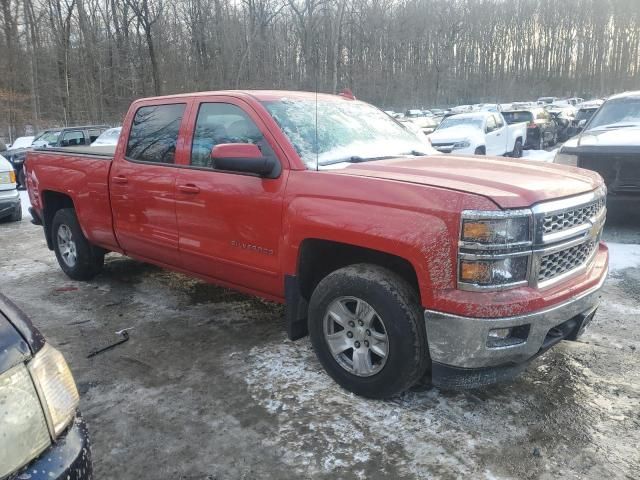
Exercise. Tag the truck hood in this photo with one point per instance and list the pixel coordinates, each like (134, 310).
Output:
(619, 137)
(509, 183)
(454, 134)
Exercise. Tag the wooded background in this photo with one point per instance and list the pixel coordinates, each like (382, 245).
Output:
(83, 61)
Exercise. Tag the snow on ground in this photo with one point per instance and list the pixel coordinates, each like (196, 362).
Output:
(539, 155)
(622, 256)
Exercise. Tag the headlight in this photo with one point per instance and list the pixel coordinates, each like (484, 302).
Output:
(496, 230)
(495, 249)
(23, 428)
(566, 159)
(7, 177)
(459, 145)
(56, 388)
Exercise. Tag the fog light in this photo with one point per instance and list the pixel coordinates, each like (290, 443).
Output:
(500, 333)
(508, 337)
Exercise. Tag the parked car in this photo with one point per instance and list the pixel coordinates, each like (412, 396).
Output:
(583, 115)
(10, 205)
(541, 129)
(413, 113)
(610, 145)
(69, 137)
(479, 133)
(21, 142)
(16, 158)
(564, 118)
(108, 138)
(43, 436)
(546, 100)
(426, 124)
(390, 260)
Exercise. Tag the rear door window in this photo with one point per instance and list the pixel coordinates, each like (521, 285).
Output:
(154, 133)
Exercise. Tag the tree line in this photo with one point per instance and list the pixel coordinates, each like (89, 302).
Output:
(83, 61)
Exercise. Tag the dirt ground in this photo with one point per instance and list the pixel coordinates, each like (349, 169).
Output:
(208, 386)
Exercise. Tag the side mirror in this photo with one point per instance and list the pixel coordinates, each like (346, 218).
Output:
(242, 157)
(64, 143)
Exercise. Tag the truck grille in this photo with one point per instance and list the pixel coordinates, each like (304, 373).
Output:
(564, 261)
(558, 222)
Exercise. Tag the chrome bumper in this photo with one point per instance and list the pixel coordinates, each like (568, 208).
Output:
(462, 341)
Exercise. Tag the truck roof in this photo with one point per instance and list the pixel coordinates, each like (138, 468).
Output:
(260, 95)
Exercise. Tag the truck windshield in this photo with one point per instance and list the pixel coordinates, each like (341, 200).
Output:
(620, 113)
(348, 131)
(475, 122)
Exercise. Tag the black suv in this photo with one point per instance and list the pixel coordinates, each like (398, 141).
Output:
(42, 433)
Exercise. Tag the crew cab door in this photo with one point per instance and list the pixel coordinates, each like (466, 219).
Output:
(230, 223)
(142, 184)
(496, 135)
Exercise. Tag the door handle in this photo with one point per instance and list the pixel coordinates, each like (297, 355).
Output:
(189, 188)
(120, 179)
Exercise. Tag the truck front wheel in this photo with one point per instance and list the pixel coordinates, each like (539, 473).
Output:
(367, 329)
(76, 256)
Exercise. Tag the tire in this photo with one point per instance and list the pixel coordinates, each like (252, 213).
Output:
(394, 329)
(480, 151)
(517, 149)
(76, 256)
(17, 215)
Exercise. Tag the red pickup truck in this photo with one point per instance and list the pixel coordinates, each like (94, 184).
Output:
(398, 264)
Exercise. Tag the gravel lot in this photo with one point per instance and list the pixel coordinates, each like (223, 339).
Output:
(209, 387)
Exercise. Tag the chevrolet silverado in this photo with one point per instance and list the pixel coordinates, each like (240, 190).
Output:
(399, 265)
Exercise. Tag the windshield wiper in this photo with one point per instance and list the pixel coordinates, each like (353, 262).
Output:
(357, 159)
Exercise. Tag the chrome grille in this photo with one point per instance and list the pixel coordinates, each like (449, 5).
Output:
(561, 221)
(564, 261)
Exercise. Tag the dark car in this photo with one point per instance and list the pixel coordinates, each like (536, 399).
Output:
(542, 131)
(565, 128)
(81, 136)
(610, 145)
(42, 435)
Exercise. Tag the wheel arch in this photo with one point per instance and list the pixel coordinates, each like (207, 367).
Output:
(52, 201)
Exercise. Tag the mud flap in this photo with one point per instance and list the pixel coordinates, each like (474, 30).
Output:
(296, 309)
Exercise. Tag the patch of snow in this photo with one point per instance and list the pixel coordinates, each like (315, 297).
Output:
(540, 155)
(623, 255)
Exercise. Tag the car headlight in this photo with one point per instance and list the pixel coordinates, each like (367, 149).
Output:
(56, 388)
(566, 159)
(23, 427)
(464, 144)
(497, 229)
(494, 249)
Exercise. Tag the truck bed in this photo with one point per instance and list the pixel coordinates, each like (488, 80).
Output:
(81, 173)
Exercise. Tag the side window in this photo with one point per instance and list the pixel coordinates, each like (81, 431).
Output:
(72, 138)
(219, 123)
(499, 122)
(154, 133)
(491, 124)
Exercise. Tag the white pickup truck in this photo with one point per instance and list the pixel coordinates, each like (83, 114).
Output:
(479, 133)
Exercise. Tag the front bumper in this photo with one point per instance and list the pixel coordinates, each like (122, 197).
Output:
(69, 458)
(459, 345)
(9, 201)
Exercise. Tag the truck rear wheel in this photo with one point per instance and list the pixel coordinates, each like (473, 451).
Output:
(367, 329)
(76, 256)
(480, 151)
